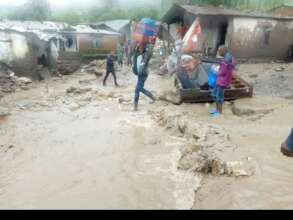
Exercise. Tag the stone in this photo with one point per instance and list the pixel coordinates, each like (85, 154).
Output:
(85, 98)
(43, 73)
(123, 100)
(24, 80)
(74, 106)
(77, 91)
(86, 81)
(237, 169)
(240, 108)
(71, 89)
(280, 69)
(4, 112)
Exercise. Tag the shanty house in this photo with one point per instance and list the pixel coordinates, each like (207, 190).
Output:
(120, 26)
(24, 45)
(88, 42)
(284, 9)
(248, 35)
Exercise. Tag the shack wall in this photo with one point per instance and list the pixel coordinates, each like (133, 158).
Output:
(284, 11)
(21, 51)
(96, 43)
(211, 37)
(261, 38)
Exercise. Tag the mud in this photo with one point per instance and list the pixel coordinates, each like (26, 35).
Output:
(72, 143)
(98, 155)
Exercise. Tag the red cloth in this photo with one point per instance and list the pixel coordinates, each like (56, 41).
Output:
(190, 41)
(182, 31)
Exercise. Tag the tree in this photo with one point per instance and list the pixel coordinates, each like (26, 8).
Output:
(37, 10)
(70, 17)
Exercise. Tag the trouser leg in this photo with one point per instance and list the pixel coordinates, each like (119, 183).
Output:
(115, 78)
(106, 77)
(289, 141)
(138, 88)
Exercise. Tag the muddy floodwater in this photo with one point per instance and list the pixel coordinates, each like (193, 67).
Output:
(98, 156)
(73, 144)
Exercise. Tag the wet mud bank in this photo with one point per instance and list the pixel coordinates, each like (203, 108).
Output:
(69, 142)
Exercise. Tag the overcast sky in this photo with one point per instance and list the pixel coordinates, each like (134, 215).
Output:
(68, 3)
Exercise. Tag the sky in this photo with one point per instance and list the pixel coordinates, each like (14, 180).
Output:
(68, 3)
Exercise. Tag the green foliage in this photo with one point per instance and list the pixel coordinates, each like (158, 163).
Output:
(259, 5)
(70, 17)
(38, 10)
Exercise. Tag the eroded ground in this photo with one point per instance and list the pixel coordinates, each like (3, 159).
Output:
(71, 143)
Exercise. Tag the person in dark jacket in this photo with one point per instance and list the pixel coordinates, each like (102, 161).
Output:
(287, 146)
(110, 68)
(141, 60)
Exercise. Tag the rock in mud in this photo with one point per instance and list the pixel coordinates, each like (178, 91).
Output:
(4, 112)
(77, 91)
(171, 97)
(24, 80)
(238, 169)
(85, 98)
(245, 109)
(123, 100)
(74, 106)
(95, 67)
(202, 163)
(280, 69)
(67, 68)
(7, 84)
(43, 73)
(86, 81)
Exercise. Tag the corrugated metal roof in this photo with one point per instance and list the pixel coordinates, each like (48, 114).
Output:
(35, 25)
(37, 28)
(116, 25)
(178, 11)
(85, 29)
(210, 10)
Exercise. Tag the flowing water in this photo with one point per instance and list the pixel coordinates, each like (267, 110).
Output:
(104, 156)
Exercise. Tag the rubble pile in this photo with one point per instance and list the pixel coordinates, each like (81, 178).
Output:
(206, 146)
(96, 67)
(66, 68)
(9, 83)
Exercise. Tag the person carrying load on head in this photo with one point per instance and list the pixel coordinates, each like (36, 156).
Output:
(141, 58)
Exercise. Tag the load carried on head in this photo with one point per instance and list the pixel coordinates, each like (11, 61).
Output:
(144, 37)
(146, 31)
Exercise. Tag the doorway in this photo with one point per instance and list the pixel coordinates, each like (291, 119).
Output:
(223, 30)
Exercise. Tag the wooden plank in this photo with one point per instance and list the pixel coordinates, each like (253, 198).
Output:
(239, 89)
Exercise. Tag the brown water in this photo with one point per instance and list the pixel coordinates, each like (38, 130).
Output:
(101, 156)
(104, 156)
